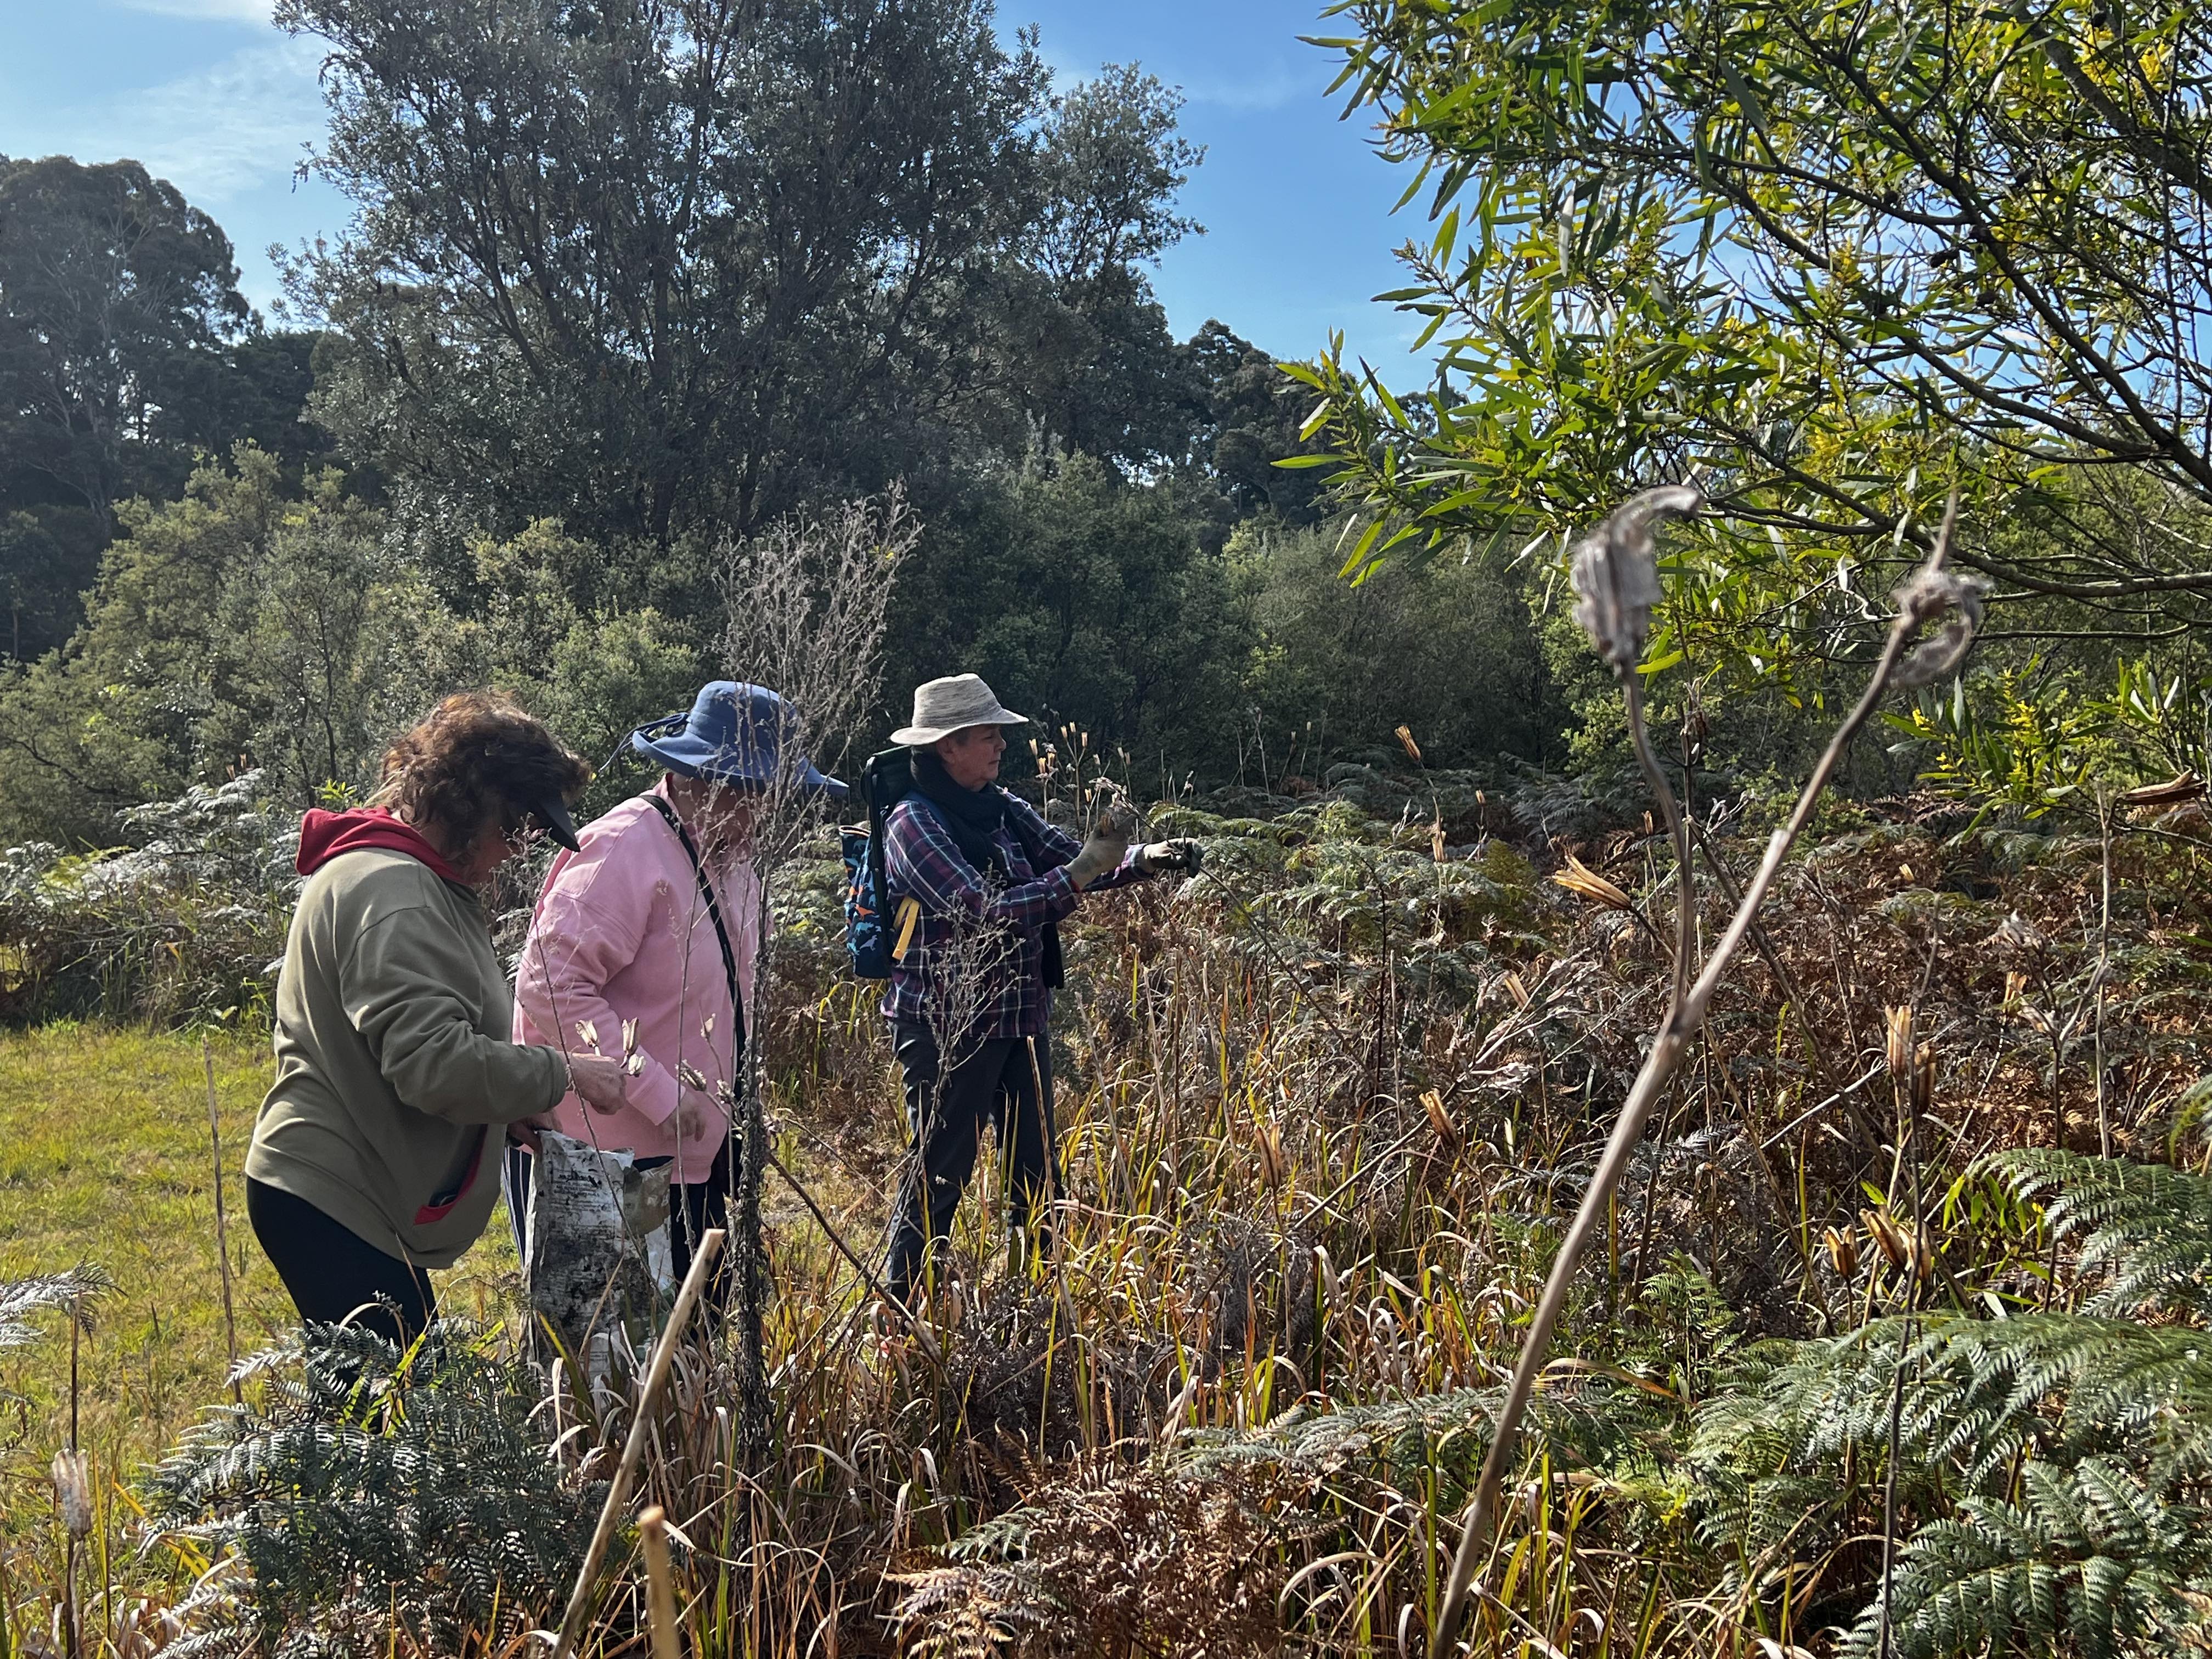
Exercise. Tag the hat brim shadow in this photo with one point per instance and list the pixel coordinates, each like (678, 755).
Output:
(695, 760)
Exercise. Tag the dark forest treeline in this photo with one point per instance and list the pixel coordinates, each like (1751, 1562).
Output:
(582, 334)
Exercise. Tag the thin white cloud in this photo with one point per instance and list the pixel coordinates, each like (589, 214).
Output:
(223, 11)
(231, 127)
(1257, 95)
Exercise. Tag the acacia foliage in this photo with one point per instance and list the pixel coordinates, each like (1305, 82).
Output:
(1830, 261)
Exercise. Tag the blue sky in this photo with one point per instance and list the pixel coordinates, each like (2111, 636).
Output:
(1296, 208)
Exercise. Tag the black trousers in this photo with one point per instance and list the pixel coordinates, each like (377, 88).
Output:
(331, 1271)
(693, 1207)
(1007, 1080)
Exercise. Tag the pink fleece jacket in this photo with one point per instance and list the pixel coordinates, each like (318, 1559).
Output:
(621, 932)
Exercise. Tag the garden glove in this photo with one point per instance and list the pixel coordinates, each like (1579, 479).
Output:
(1155, 857)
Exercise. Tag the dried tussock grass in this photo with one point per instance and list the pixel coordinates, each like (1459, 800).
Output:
(1322, 1121)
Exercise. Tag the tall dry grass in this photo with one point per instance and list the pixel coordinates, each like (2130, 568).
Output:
(1324, 1116)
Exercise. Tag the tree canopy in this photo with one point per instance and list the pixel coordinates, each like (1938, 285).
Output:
(126, 351)
(652, 266)
(1829, 262)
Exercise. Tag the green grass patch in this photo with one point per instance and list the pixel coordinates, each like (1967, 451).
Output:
(105, 1159)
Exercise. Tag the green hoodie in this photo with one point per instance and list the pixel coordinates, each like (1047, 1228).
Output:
(393, 1062)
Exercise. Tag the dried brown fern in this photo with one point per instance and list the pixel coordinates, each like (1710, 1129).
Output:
(1106, 1561)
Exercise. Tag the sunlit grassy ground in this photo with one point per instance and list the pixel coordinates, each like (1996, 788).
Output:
(105, 1159)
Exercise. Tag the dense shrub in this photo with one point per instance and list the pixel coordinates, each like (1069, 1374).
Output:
(190, 924)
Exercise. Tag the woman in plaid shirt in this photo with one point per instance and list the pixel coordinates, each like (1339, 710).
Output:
(973, 983)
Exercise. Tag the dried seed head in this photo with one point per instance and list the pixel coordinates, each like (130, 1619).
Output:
(629, 1036)
(1579, 879)
(2016, 988)
(1888, 1237)
(1616, 574)
(1900, 1042)
(1923, 1077)
(73, 1491)
(1439, 1119)
(1272, 1166)
(1404, 735)
(1927, 594)
(690, 1077)
(1843, 1252)
(588, 1035)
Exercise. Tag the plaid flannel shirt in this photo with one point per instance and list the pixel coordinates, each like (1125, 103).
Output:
(922, 861)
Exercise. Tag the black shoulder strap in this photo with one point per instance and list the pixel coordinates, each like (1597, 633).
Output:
(713, 913)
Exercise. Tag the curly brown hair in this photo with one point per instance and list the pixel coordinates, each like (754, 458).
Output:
(477, 759)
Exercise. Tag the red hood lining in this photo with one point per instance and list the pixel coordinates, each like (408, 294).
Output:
(325, 836)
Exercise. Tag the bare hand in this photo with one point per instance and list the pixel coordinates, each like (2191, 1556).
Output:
(696, 1121)
(597, 1081)
(524, 1131)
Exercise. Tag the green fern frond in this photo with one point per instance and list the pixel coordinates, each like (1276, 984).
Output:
(1978, 1395)
(1403, 1443)
(2146, 1226)
(2090, 1558)
(21, 1297)
(377, 1493)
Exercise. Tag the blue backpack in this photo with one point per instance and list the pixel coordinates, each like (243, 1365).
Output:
(885, 780)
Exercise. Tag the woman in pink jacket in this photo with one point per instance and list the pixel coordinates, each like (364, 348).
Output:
(655, 919)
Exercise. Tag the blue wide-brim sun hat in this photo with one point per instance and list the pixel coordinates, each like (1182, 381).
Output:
(734, 733)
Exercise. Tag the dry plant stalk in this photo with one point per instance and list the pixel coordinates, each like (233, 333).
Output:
(660, 1587)
(805, 604)
(1615, 574)
(641, 1429)
(222, 1227)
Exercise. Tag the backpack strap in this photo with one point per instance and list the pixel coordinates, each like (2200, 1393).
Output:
(713, 913)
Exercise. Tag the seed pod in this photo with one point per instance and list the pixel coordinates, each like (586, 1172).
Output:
(1579, 879)
(1433, 1104)
(1923, 1077)
(1616, 575)
(1900, 1042)
(1843, 1252)
(1887, 1236)
(1926, 595)
(588, 1035)
(1272, 1166)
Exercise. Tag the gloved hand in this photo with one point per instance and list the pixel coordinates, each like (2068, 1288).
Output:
(1156, 856)
(1101, 856)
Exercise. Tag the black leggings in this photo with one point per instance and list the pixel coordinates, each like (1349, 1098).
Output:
(1005, 1080)
(331, 1271)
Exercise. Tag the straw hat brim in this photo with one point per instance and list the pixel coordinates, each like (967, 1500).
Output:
(917, 736)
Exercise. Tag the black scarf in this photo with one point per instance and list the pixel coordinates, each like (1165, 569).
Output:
(972, 815)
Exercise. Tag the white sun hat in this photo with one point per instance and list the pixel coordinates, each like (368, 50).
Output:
(952, 704)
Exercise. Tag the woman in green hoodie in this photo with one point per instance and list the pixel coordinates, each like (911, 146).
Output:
(394, 1064)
